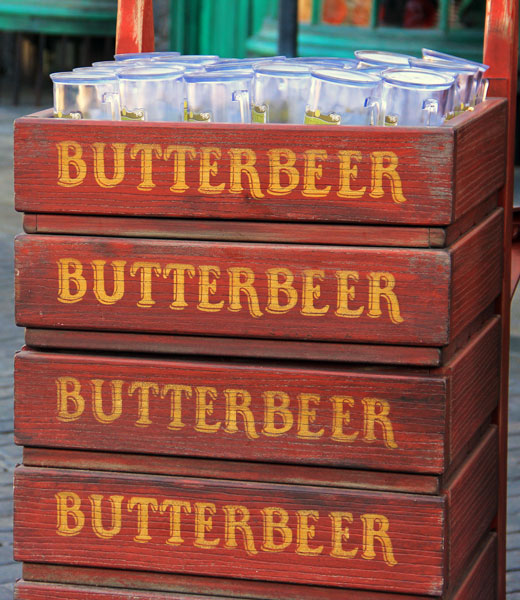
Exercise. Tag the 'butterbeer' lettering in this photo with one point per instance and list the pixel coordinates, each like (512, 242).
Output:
(265, 529)
(311, 173)
(276, 291)
(308, 416)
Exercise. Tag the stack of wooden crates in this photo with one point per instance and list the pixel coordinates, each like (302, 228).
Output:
(262, 361)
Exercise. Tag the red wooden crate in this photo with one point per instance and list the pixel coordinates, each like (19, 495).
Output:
(397, 420)
(284, 292)
(479, 579)
(427, 176)
(337, 537)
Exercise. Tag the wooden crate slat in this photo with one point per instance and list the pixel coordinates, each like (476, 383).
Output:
(340, 294)
(479, 579)
(358, 418)
(410, 556)
(399, 175)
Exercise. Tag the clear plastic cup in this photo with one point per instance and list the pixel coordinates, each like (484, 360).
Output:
(152, 93)
(343, 97)
(415, 97)
(481, 86)
(280, 91)
(377, 58)
(465, 80)
(219, 96)
(90, 95)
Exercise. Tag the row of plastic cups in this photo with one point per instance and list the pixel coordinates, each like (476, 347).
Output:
(316, 90)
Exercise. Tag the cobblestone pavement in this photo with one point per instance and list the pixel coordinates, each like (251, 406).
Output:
(11, 338)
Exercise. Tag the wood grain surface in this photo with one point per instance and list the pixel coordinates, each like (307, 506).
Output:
(480, 578)
(329, 293)
(236, 470)
(393, 420)
(185, 345)
(428, 176)
(280, 533)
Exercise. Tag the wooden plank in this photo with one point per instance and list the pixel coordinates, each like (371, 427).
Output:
(474, 386)
(473, 501)
(396, 541)
(479, 582)
(408, 558)
(232, 347)
(25, 590)
(476, 278)
(236, 231)
(474, 181)
(356, 418)
(254, 231)
(254, 172)
(308, 293)
(234, 470)
(253, 590)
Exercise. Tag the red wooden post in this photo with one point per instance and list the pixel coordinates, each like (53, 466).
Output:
(134, 30)
(501, 54)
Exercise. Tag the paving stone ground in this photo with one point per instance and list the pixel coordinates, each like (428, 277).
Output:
(11, 339)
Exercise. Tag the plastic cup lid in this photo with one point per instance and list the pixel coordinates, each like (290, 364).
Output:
(111, 72)
(130, 55)
(285, 68)
(208, 76)
(447, 66)
(419, 78)
(171, 64)
(151, 72)
(435, 54)
(197, 59)
(347, 76)
(110, 64)
(378, 57)
(93, 76)
(231, 65)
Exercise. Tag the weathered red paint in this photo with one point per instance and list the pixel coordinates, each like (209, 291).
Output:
(409, 556)
(480, 579)
(394, 420)
(344, 294)
(429, 176)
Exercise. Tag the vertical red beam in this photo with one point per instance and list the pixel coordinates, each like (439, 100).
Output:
(134, 29)
(501, 54)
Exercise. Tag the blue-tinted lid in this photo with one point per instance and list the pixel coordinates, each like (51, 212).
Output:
(377, 57)
(282, 68)
(186, 66)
(111, 72)
(202, 59)
(224, 75)
(444, 66)
(231, 65)
(151, 72)
(347, 76)
(326, 59)
(110, 64)
(426, 52)
(418, 78)
(130, 55)
(93, 76)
